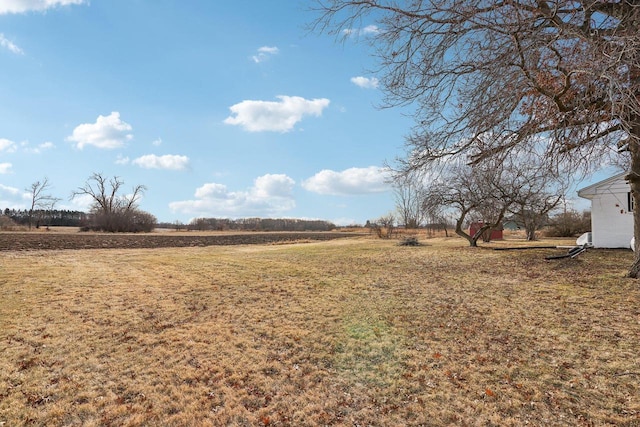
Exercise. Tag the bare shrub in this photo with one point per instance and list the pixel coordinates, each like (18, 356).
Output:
(7, 224)
(569, 224)
(385, 226)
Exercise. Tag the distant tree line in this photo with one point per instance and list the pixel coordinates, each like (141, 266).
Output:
(260, 224)
(46, 217)
(112, 211)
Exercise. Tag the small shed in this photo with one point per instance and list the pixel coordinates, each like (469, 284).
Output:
(496, 233)
(611, 212)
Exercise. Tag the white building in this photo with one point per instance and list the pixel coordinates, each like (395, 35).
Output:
(611, 212)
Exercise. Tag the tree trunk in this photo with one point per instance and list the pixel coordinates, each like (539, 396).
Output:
(484, 232)
(486, 235)
(531, 232)
(634, 271)
(634, 181)
(460, 232)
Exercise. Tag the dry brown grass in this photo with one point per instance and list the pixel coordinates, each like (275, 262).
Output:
(351, 332)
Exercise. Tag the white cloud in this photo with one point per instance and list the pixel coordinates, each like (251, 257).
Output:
(157, 142)
(344, 221)
(46, 145)
(351, 181)
(83, 202)
(122, 160)
(365, 82)
(270, 50)
(12, 198)
(107, 132)
(8, 44)
(10, 190)
(22, 6)
(273, 185)
(5, 168)
(270, 195)
(370, 29)
(168, 161)
(366, 31)
(212, 191)
(264, 53)
(8, 145)
(38, 149)
(258, 116)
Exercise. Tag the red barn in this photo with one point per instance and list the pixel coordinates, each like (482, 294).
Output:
(496, 234)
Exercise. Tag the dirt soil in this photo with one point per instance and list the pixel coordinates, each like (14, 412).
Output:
(24, 241)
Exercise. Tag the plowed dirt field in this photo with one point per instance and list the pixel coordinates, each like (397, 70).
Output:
(27, 241)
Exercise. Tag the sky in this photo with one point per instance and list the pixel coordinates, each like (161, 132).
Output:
(225, 109)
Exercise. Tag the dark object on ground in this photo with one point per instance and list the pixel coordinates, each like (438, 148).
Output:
(410, 241)
(574, 252)
(519, 248)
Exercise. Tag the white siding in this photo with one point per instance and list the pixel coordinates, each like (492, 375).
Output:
(611, 221)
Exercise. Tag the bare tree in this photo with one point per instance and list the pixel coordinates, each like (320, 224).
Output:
(384, 226)
(487, 76)
(436, 215)
(104, 193)
(409, 195)
(469, 191)
(113, 211)
(40, 199)
(486, 191)
(536, 200)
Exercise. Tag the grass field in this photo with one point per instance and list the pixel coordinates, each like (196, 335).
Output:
(351, 332)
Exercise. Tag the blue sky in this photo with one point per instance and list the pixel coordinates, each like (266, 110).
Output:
(220, 108)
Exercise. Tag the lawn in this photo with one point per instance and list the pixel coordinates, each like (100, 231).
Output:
(349, 332)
